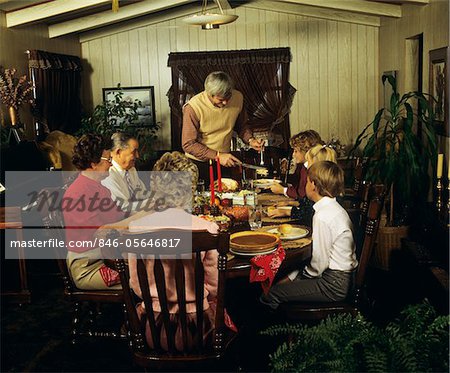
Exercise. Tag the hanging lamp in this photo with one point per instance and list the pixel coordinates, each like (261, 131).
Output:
(210, 21)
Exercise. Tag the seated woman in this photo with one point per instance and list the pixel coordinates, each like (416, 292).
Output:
(176, 202)
(86, 206)
(302, 210)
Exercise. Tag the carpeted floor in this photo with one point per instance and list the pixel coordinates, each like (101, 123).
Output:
(36, 337)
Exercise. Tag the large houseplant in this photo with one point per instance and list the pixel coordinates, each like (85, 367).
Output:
(120, 115)
(399, 145)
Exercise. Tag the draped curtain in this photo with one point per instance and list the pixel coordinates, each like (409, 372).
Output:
(57, 79)
(262, 75)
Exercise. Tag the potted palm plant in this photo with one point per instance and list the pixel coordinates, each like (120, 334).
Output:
(399, 145)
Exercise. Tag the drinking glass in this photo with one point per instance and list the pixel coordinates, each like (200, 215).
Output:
(200, 186)
(255, 217)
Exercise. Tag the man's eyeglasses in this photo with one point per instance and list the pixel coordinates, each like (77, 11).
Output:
(106, 159)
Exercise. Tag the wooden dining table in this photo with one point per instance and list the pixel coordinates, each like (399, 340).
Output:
(239, 266)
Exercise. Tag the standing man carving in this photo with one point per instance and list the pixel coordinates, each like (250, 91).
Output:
(209, 119)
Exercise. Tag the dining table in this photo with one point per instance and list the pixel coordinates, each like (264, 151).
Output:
(239, 266)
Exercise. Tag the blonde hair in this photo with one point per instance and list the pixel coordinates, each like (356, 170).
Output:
(174, 188)
(328, 178)
(305, 140)
(320, 153)
(219, 83)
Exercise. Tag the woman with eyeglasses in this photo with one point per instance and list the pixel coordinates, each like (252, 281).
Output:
(87, 206)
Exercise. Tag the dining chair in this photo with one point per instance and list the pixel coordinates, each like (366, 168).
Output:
(156, 357)
(53, 222)
(11, 219)
(315, 311)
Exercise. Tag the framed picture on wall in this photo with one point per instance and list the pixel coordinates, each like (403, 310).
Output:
(439, 89)
(144, 95)
(387, 89)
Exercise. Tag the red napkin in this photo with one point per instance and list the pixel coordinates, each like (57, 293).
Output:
(109, 276)
(265, 267)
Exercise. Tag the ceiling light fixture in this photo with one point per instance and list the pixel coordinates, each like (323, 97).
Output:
(210, 21)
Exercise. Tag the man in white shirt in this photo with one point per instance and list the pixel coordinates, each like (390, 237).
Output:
(127, 189)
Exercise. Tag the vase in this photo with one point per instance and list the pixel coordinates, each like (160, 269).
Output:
(13, 115)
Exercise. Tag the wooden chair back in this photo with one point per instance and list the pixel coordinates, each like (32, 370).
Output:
(370, 230)
(53, 220)
(201, 242)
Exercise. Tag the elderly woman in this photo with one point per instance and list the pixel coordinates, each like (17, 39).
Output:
(176, 203)
(87, 206)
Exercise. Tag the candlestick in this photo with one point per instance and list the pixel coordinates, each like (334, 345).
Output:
(440, 165)
(439, 194)
(219, 175)
(211, 181)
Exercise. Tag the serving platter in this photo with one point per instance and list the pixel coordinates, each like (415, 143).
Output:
(265, 183)
(240, 253)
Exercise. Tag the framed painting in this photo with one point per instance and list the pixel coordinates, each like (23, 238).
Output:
(439, 89)
(146, 97)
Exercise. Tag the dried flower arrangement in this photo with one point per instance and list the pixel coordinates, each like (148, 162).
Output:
(14, 91)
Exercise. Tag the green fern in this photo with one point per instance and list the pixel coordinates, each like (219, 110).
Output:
(417, 341)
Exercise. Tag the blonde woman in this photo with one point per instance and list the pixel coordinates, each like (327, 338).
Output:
(320, 153)
(178, 198)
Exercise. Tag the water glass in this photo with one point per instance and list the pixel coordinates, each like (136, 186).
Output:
(255, 217)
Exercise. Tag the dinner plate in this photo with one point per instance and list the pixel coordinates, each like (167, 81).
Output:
(265, 183)
(295, 234)
(240, 253)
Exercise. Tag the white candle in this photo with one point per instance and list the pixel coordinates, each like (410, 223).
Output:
(440, 165)
(448, 169)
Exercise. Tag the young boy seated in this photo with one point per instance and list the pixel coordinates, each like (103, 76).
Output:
(328, 276)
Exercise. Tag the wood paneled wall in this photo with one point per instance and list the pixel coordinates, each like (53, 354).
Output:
(334, 66)
(433, 21)
(14, 43)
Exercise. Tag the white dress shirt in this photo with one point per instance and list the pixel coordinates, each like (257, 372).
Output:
(120, 192)
(333, 245)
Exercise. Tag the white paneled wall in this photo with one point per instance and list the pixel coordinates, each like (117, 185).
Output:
(334, 65)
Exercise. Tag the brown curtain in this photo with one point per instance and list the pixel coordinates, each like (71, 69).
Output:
(262, 75)
(58, 81)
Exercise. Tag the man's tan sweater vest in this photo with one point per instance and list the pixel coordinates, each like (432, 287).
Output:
(216, 124)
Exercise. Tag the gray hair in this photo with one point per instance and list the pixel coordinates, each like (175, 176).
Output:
(120, 140)
(219, 83)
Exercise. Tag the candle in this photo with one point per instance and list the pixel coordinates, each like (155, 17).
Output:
(440, 165)
(211, 181)
(219, 175)
(448, 176)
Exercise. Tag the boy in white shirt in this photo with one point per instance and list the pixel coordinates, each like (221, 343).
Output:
(327, 277)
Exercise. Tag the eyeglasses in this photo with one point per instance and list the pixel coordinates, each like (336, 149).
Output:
(106, 159)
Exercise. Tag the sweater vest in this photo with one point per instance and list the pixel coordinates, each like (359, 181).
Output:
(216, 124)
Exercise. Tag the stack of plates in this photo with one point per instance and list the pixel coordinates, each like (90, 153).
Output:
(249, 243)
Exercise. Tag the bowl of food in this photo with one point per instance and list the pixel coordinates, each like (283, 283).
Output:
(228, 185)
(289, 232)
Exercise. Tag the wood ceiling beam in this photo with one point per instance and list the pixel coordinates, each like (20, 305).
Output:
(151, 20)
(225, 4)
(416, 2)
(357, 6)
(313, 12)
(108, 17)
(43, 11)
